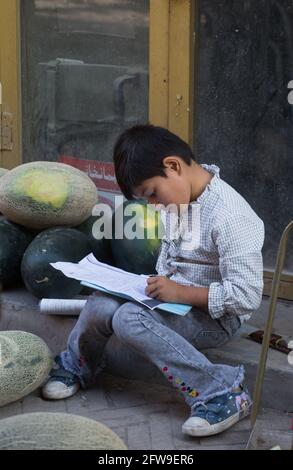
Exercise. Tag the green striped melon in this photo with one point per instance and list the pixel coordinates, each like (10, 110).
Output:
(25, 363)
(40, 195)
(100, 247)
(50, 246)
(56, 431)
(14, 240)
(137, 255)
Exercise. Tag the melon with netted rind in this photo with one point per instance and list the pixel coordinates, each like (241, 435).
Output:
(3, 171)
(40, 195)
(56, 431)
(25, 361)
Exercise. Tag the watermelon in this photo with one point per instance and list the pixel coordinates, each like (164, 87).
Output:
(25, 363)
(50, 246)
(100, 247)
(138, 255)
(14, 240)
(56, 431)
(42, 195)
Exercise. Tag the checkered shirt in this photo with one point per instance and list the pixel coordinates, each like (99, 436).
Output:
(227, 256)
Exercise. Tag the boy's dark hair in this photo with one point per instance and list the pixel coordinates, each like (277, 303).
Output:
(139, 152)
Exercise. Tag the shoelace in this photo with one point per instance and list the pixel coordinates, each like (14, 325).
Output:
(62, 374)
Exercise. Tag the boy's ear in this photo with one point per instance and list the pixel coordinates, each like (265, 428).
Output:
(172, 163)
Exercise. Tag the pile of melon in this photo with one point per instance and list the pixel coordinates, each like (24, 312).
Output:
(42, 203)
(24, 366)
(47, 217)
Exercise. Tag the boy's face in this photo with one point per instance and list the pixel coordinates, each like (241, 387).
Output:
(171, 190)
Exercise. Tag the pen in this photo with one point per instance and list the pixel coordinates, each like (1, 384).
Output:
(166, 275)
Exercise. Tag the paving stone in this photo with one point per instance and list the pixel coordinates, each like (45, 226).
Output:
(129, 416)
(182, 441)
(162, 396)
(122, 433)
(139, 437)
(224, 447)
(127, 392)
(161, 438)
(77, 405)
(127, 397)
(11, 409)
(94, 399)
(34, 403)
(263, 438)
(229, 437)
(191, 443)
(120, 422)
(274, 420)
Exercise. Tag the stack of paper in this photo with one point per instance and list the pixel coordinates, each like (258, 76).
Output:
(107, 278)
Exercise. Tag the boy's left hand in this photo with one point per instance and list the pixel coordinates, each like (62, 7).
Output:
(162, 288)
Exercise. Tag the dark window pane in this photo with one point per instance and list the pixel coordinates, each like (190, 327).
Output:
(244, 122)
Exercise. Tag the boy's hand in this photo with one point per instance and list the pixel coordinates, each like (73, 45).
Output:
(162, 288)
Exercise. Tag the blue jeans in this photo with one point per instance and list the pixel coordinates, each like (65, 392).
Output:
(171, 342)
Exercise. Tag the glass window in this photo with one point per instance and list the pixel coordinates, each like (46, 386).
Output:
(243, 117)
(84, 80)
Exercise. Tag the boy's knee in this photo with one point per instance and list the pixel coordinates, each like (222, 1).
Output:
(125, 319)
(99, 308)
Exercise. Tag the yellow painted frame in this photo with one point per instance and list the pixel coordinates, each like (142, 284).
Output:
(171, 62)
(10, 76)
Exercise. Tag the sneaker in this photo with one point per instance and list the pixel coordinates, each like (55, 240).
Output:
(61, 383)
(218, 414)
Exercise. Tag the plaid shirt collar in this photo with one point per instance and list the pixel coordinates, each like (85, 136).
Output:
(215, 170)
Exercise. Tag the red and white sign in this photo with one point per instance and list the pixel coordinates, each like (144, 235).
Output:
(102, 173)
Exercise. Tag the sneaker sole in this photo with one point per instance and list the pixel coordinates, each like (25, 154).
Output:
(216, 428)
(62, 394)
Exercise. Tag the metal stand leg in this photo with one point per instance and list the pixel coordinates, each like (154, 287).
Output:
(270, 320)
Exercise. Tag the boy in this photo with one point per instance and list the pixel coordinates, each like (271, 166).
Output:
(222, 278)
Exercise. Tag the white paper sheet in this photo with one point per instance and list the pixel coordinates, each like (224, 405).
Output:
(109, 277)
(100, 275)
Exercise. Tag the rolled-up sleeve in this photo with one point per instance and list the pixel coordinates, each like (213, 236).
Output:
(239, 242)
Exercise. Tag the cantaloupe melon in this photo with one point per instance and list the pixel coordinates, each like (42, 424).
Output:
(24, 365)
(46, 194)
(3, 171)
(56, 431)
